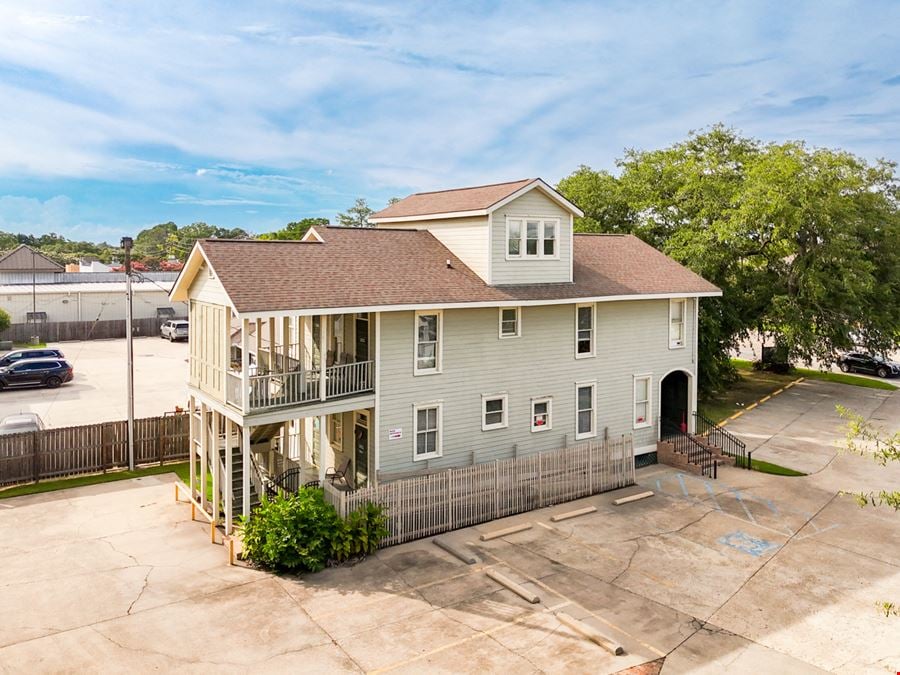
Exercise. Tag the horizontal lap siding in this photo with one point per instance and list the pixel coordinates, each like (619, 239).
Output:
(632, 338)
(467, 238)
(530, 271)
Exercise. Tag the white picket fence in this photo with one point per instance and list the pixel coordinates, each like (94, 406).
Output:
(446, 500)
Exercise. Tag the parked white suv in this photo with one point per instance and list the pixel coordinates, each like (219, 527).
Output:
(174, 330)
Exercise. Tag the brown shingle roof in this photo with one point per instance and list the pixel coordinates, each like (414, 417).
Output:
(23, 258)
(450, 201)
(376, 267)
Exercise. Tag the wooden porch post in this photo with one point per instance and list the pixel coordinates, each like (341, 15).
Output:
(192, 445)
(324, 445)
(204, 451)
(245, 473)
(285, 345)
(229, 476)
(323, 356)
(213, 433)
(245, 365)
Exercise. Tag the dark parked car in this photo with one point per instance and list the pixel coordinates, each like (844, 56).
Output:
(21, 354)
(860, 362)
(36, 372)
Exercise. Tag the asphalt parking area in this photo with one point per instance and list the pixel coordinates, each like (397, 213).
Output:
(749, 573)
(98, 393)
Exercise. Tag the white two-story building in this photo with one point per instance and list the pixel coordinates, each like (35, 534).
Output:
(466, 325)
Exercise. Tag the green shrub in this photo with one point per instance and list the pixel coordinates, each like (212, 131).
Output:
(302, 532)
(360, 534)
(293, 533)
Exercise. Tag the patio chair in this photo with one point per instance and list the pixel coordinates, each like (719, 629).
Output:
(338, 474)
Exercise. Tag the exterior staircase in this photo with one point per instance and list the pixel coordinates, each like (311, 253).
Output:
(703, 451)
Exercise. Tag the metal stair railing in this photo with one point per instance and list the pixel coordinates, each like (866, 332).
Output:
(685, 444)
(730, 444)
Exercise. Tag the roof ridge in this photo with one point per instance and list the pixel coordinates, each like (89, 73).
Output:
(472, 187)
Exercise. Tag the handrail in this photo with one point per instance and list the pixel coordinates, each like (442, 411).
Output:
(258, 477)
(687, 445)
(730, 444)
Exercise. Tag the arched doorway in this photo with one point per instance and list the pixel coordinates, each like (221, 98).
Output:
(674, 401)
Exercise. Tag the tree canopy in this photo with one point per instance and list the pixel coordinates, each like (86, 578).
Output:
(357, 215)
(296, 229)
(804, 242)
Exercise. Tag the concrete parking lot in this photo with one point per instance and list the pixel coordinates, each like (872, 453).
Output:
(746, 574)
(98, 392)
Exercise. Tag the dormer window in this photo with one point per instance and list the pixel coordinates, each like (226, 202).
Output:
(532, 238)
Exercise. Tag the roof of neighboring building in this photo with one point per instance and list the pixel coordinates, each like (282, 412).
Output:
(24, 258)
(95, 287)
(367, 267)
(468, 200)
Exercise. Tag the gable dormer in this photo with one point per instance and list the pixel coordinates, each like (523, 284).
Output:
(507, 233)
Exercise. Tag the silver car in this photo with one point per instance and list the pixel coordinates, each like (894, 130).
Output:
(174, 329)
(21, 423)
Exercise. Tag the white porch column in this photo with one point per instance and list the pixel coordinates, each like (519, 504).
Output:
(204, 452)
(285, 345)
(245, 473)
(245, 365)
(213, 433)
(229, 475)
(326, 456)
(323, 356)
(192, 445)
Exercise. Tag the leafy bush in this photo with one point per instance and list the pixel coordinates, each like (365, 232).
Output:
(292, 533)
(4, 320)
(302, 532)
(361, 533)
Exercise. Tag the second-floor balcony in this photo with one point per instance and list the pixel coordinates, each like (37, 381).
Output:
(298, 387)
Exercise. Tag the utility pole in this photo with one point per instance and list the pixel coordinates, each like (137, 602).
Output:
(34, 296)
(129, 341)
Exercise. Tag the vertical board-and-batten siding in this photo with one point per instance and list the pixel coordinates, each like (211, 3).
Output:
(530, 270)
(209, 334)
(632, 339)
(466, 237)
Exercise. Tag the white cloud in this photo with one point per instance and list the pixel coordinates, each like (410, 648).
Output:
(29, 215)
(398, 97)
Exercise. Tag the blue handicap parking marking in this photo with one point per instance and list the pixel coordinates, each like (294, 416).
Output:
(745, 543)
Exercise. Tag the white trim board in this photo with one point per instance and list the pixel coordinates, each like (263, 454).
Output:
(470, 305)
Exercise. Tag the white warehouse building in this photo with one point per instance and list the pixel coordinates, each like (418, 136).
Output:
(103, 301)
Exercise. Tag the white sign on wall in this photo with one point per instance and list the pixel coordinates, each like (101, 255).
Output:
(395, 434)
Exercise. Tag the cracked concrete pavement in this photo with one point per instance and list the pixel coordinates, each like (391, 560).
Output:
(749, 573)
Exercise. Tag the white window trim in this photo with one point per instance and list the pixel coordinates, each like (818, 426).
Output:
(523, 236)
(593, 432)
(438, 352)
(440, 430)
(593, 351)
(542, 399)
(648, 422)
(675, 344)
(518, 332)
(493, 397)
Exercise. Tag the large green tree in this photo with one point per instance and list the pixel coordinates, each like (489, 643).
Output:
(357, 215)
(296, 229)
(804, 242)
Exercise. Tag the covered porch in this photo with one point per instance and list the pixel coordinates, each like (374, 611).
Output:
(287, 361)
(234, 464)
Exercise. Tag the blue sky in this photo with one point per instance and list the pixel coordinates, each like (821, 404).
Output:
(117, 116)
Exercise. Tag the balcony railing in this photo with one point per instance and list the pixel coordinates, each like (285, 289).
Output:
(278, 390)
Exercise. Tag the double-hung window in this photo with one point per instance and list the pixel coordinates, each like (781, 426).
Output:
(642, 409)
(532, 237)
(585, 408)
(584, 331)
(541, 413)
(510, 322)
(427, 431)
(428, 343)
(676, 323)
(493, 411)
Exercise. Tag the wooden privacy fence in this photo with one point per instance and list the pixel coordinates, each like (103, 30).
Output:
(62, 331)
(69, 451)
(427, 505)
